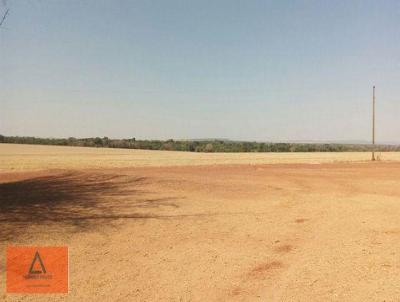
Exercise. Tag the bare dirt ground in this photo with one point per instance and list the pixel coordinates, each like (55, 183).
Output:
(211, 232)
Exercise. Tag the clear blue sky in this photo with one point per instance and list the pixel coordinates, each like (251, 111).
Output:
(254, 70)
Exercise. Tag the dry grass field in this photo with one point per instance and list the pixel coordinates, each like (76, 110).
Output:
(37, 157)
(172, 226)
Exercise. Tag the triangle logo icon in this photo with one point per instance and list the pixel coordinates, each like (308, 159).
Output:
(37, 266)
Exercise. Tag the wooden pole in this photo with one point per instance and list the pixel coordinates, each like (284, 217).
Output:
(373, 123)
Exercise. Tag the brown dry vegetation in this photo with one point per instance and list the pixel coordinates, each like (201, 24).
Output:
(206, 228)
(38, 157)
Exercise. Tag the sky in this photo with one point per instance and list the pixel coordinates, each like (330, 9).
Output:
(246, 70)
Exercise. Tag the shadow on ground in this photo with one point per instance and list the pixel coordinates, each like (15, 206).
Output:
(77, 200)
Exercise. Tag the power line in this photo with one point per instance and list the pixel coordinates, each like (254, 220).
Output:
(4, 17)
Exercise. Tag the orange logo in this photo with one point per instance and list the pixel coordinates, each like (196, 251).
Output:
(37, 269)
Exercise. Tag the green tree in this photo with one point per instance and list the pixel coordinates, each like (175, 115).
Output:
(98, 142)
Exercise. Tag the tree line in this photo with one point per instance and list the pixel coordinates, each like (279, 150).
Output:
(194, 145)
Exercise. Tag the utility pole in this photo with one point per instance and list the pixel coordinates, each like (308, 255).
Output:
(373, 124)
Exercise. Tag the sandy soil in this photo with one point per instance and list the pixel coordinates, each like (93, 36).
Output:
(261, 232)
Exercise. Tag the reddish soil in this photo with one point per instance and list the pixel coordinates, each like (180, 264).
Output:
(294, 232)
